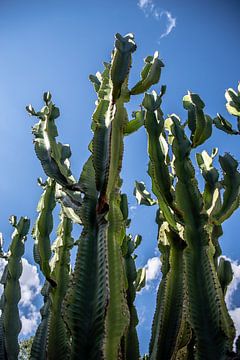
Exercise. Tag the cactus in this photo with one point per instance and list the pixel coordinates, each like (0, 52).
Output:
(58, 339)
(43, 228)
(102, 319)
(233, 108)
(189, 228)
(89, 312)
(10, 323)
(39, 345)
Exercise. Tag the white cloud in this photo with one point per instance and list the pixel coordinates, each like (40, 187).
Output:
(150, 9)
(153, 272)
(29, 282)
(171, 23)
(144, 3)
(235, 315)
(30, 323)
(30, 288)
(153, 269)
(234, 284)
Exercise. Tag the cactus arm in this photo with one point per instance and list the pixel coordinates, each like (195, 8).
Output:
(100, 128)
(224, 125)
(225, 274)
(150, 74)
(140, 279)
(135, 123)
(211, 194)
(158, 169)
(116, 146)
(233, 102)
(231, 183)
(96, 81)
(43, 228)
(110, 119)
(233, 108)
(168, 318)
(100, 142)
(70, 205)
(209, 318)
(11, 323)
(199, 124)
(142, 194)
(53, 156)
(121, 63)
(39, 345)
(58, 342)
(215, 233)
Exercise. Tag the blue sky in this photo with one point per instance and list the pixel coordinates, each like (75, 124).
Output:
(54, 45)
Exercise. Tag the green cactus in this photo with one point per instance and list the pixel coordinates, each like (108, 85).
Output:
(167, 330)
(10, 323)
(43, 228)
(39, 345)
(194, 221)
(58, 337)
(98, 319)
(89, 312)
(233, 108)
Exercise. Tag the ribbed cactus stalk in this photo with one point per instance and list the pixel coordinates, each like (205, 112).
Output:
(10, 324)
(58, 338)
(39, 345)
(52, 337)
(43, 228)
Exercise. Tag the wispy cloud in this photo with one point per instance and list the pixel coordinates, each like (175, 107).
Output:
(146, 5)
(150, 9)
(170, 24)
(133, 208)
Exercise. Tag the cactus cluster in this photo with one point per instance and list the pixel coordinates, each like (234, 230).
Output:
(190, 304)
(88, 311)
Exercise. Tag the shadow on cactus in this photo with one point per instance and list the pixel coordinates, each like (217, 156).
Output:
(89, 313)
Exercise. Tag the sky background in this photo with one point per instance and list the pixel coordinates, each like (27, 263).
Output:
(54, 45)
